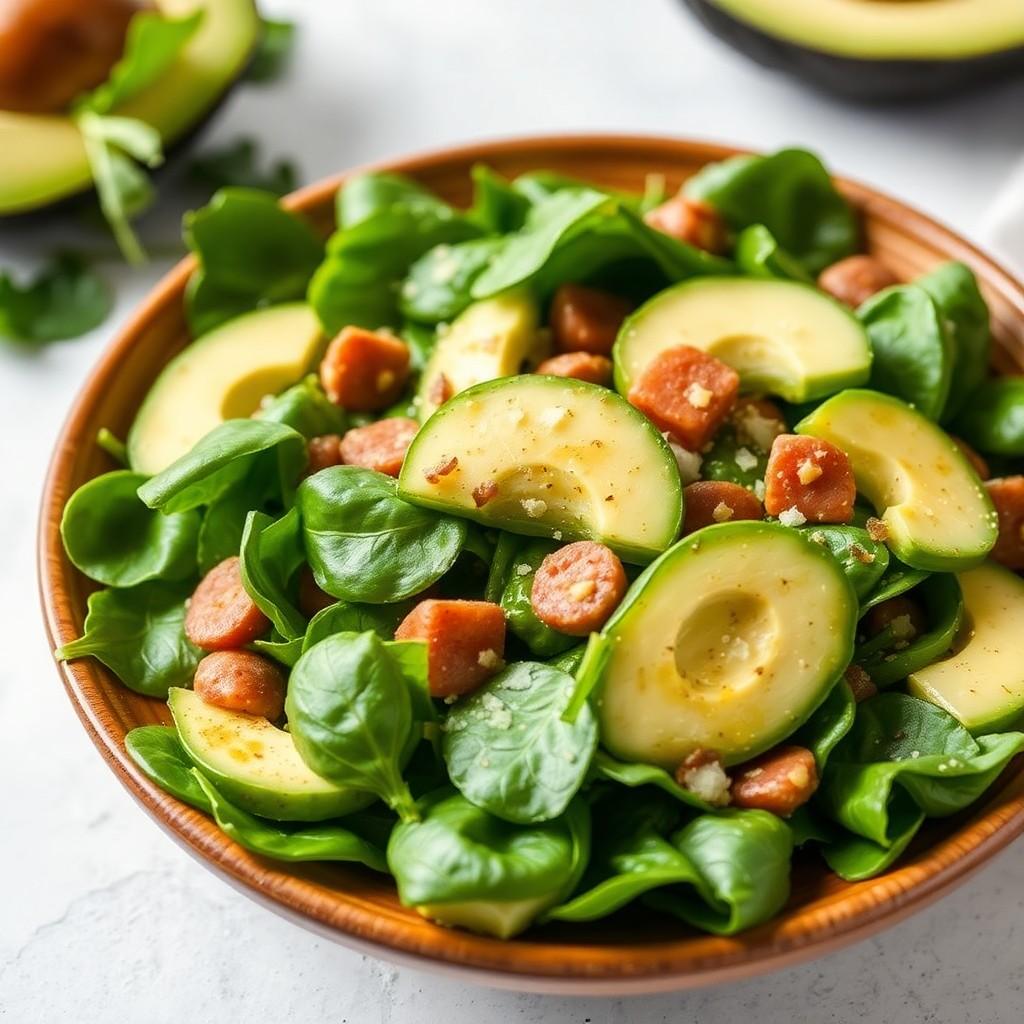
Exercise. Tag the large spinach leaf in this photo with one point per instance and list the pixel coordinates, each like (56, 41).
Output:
(832, 720)
(635, 776)
(270, 554)
(993, 419)
(158, 752)
(365, 544)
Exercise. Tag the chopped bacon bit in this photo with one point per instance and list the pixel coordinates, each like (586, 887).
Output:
(877, 530)
(485, 492)
(441, 469)
(860, 683)
(862, 554)
(692, 221)
(440, 390)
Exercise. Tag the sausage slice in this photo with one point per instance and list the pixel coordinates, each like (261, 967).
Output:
(1007, 494)
(808, 480)
(718, 501)
(580, 365)
(855, 279)
(577, 587)
(691, 221)
(221, 615)
(586, 320)
(241, 681)
(380, 446)
(363, 371)
(779, 781)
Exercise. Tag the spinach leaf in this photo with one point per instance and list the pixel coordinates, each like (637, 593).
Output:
(324, 842)
(251, 253)
(65, 300)
(903, 753)
(993, 419)
(855, 858)
(365, 544)
(886, 662)
(273, 50)
(497, 206)
(791, 194)
(304, 407)
(237, 164)
(864, 560)
(508, 749)
(570, 660)
(159, 754)
(729, 460)
(505, 550)
(458, 852)
(350, 714)
(220, 532)
(676, 259)
(108, 442)
(346, 617)
(139, 635)
(964, 311)
(588, 674)
(285, 652)
(759, 254)
(112, 537)
(271, 553)
(223, 458)
(439, 284)
(913, 353)
(636, 775)
(833, 719)
(897, 579)
(542, 640)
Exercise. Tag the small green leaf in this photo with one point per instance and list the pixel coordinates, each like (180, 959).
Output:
(273, 51)
(271, 552)
(236, 164)
(157, 750)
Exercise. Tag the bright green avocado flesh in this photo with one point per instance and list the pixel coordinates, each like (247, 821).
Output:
(566, 460)
(42, 157)
(255, 764)
(982, 682)
(727, 642)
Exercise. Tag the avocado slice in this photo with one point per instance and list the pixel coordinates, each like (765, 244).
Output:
(875, 51)
(565, 459)
(982, 682)
(728, 642)
(42, 156)
(224, 375)
(782, 337)
(491, 338)
(255, 764)
(937, 512)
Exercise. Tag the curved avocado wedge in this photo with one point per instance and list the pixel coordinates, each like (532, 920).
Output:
(43, 157)
(727, 642)
(255, 764)
(936, 510)
(982, 682)
(529, 458)
(224, 375)
(782, 337)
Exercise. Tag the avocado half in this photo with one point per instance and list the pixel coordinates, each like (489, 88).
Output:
(42, 156)
(876, 51)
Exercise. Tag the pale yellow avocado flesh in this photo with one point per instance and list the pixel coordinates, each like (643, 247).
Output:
(42, 157)
(937, 512)
(569, 460)
(502, 919)
(982, 683)
(255, 764)
(727, 643)
(781, 337)
(224, 375)
(921, 29)
(489, 339)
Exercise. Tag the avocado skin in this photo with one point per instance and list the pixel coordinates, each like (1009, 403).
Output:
(869, 81)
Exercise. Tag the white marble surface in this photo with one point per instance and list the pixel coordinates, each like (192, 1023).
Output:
(102, 917)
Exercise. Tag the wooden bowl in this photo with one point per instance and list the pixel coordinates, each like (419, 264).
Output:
(634, 951)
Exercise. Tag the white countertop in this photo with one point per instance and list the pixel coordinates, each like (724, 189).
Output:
(103, 918)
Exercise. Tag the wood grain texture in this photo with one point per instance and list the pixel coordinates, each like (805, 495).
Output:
(635, 951)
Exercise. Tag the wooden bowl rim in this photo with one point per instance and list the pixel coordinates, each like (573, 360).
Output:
(522, 964)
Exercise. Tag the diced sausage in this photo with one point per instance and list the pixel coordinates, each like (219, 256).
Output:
(324, 451)
(241, 681)
(221, 615)
(311, 598)
(686, 393)
(902, 613)
(363, 371)
(779, 781)
(862, 686)
(576, 588)
(808, 480)
(380, 446)
(691, 221)
(978, 463)
(1007, 494)
(855, 279)
(580, 365)
(465, 642)
(703, 774)
(718, 501)
(585, 320)
(758, 422)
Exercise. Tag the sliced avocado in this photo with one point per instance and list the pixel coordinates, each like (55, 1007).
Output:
(782, 337)
(728, 642)
(42, 156)
(255, 764)
(937, 512)
(491, 338)
(537, 441)
(982, 682)
(224, 375)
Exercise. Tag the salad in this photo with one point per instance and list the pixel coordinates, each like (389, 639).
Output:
(571, 551)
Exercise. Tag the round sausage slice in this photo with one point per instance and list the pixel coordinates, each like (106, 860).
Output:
(380, 446)
(718, 501)
(221, 615)
(855, 279)
(808, 480)
(692, 221)
(1007, 494)
(581, 365)
(324, 451)
(577, 587)
(241, 681)
(586, 320)
(363, 371)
